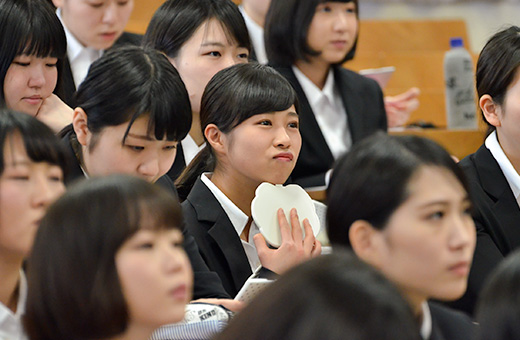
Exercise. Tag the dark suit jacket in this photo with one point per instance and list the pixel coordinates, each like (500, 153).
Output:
(364, 104)
(448, 324)
(206, 283)
(69, 87)
(497, 219)
(218, 242)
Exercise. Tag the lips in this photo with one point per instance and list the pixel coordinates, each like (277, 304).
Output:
(284, 156)
(33, 100)
(179, 293)
(461, 268)
(339, 44)
(108, 35)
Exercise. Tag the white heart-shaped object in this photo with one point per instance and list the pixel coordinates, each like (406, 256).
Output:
(269, 198)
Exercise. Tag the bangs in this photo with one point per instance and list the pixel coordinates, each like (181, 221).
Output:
(234, 28)
(42, 148)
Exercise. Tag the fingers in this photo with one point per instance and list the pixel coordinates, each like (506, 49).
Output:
(260, 244)
(285, 230)
(233, 305)
(297, 233)
(308, 242)
(317, 249)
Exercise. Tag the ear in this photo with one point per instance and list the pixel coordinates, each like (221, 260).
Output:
(57, 3)
(215, 138)
(79, 123)
(490, 109)
(366, 242)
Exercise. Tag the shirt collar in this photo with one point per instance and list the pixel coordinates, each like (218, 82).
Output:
(12, 323)
(426, 325)
(237, 217)
(256, 32)
(512, 177)
(190, 148)
(312, 92)
(74, 47)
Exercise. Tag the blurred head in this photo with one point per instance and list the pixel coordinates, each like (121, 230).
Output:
(329, 297)
(121, 266)
(256, 9)
(498, 86)
(311, 31)
(32, 165)
(132, 111)
(249, 115)
(96, 24)
(32, 50)
(200, 38)
(402, 205)
(498, 305)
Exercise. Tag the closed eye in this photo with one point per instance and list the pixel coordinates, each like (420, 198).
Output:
(170, 147)
(135, 148)
(21, 64)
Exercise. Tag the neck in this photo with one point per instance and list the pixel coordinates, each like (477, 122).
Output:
(195, 131)
(10, 274)
(134, 332)
(316, 71)
(415, 301)
(240, 192)
(257, 17)
(511, 150)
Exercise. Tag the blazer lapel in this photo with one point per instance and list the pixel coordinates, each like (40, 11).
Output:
(309, 128)
(494, 183)
(222, 231)
(353, 104)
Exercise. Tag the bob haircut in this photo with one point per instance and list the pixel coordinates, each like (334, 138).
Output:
(30, 27)
(497, 65)
(330, 297)
(286, 29)
(498, 308)
(74, 288)
(174, 23)
(40, 142)
(372, 180)
(129, 82)
(233, 95)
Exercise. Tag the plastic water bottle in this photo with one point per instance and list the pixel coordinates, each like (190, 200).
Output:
(461, 110)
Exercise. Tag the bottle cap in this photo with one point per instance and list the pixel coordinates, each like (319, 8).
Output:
(456, 42)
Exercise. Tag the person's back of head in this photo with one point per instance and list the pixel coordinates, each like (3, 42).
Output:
(331, 297)
(498, 307)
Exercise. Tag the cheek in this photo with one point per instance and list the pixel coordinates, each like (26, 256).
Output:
(51, 78)
(13, 85)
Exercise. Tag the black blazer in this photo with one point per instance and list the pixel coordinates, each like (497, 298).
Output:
(363, 101)
(497, 219)
(206, 284)
(448, 324)
(69, 87)
(218, 242)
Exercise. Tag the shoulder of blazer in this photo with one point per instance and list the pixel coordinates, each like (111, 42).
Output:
(203, 203)
(453, 325)
(481, 169)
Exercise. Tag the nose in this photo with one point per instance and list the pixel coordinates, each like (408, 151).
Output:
(173, 259)
(45, 191)
(282, 138)
(341, 22)
(463, 233)
(37, 77)
(110, 13)
(149, 167)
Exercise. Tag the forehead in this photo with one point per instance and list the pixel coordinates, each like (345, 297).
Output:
(435, 184)
(212, 31)
(14, 149)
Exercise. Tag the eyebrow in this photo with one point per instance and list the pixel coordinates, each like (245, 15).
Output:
(442, 202)
(143, 137)
(212, 43)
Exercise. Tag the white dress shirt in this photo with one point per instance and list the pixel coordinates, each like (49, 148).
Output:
(512, 177)
(11, 323)
(238, 219)
(426, 325)
(80, 57)
(190, 149)
(256, 33)
(329, 111)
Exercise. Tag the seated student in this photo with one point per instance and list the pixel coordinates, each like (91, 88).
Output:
(108, 263)
(493, 171)
(330, 297)
(132, 110)
(32, 165)
(249, 115)
(398, 108)
(498, 306)
(200, 38)
(307, 42)
(402, 205)
(91, 27)
(32, 51)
